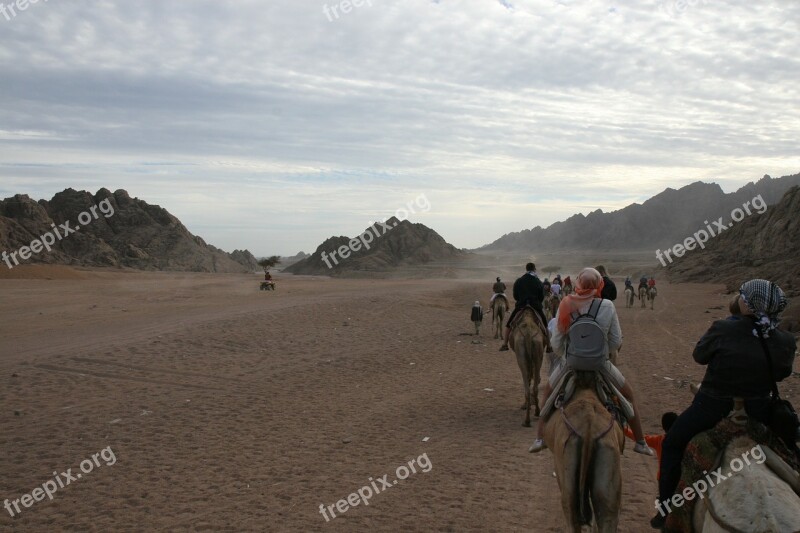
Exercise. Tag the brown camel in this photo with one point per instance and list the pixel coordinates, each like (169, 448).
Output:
(587, 443)
(550, 306)
(527, 341)
(643, 295)
(499, 310)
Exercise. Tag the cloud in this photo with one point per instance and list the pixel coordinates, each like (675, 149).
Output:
(270, 126)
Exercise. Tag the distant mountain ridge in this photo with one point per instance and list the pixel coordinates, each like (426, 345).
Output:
(765, 246)
(663, 220)
(137, 234)
(404, 244)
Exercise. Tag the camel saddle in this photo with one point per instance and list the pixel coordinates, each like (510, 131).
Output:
(537, 319)
(607, 393)
(704, 454)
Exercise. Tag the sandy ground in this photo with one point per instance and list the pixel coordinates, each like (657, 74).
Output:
(231, 409)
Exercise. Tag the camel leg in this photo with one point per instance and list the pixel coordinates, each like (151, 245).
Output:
(568, 479)
(606, 488)
(524, 367)
(537, 377)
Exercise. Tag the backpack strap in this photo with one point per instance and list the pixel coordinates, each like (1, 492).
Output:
(594, 308)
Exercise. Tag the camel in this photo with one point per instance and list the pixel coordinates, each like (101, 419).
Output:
(587, 443)
(651, 295)
(764, 495)
(550, 305)
(754, 499)
(499, 310)
(643, 295)
(629, 297)
(527, 341)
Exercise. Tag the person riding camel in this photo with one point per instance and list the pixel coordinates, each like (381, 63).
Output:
(609, 288)
(737, 367)
(643, 282)
(588, 288)
(651, 283)
(528, 290)
(267, 276)
(555, 288)
(498, 289)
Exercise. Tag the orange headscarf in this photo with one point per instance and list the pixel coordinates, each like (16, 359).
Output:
(588, 285)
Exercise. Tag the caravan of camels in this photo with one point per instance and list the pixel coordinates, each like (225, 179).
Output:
(755, 485)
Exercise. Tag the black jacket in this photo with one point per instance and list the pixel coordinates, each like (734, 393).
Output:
(477, 314)
(529, 290)
(609, 291)
(736, 362)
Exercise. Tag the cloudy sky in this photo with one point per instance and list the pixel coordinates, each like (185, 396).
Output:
(274, 124)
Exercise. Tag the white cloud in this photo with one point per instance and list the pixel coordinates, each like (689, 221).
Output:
(265, 125)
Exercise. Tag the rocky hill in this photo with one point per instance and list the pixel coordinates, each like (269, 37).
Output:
(399, 244)
(120, 232)
(659, 222)
(762, 246)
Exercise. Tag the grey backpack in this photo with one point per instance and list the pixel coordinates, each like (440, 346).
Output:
(587, 348)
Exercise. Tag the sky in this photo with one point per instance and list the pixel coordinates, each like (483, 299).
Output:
(272, 125)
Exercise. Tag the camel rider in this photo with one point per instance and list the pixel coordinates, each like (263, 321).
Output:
(643, 282)
(498, 289)
(651, 283)
(588, 288)
(267, 276)
(555, 288)
(628, 283)
(737, 366)
(528, 290)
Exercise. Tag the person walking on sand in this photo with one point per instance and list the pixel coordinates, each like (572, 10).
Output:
(477, 316)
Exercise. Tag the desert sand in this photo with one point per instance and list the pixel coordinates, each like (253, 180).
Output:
(231, 409)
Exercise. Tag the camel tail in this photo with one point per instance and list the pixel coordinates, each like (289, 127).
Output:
(587, 454)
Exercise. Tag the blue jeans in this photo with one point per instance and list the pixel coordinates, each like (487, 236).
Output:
(702, 415)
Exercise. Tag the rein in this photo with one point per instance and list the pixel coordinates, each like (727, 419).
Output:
(576, 433)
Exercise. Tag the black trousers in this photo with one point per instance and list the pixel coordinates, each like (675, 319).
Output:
(702, 415)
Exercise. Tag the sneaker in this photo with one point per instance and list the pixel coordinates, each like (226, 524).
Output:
(643, 448)
(658, 521)
(537, 446)
(504, 348)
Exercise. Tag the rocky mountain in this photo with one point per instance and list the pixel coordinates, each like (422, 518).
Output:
(661, 221)
(108, 229)
(381, 248)
(290, 260)
(763, 246)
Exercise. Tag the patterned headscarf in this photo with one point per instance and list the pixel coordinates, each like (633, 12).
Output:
(588, 286)
(766, 300)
